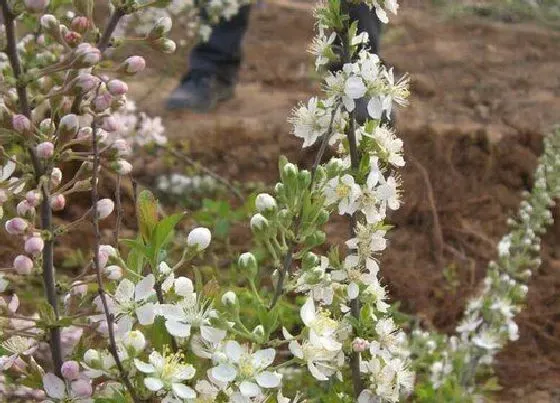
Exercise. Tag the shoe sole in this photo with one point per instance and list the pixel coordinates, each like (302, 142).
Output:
(180, 105)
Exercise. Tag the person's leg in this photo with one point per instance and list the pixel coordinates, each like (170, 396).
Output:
(213, 67)
(221, 55)
(367, 22)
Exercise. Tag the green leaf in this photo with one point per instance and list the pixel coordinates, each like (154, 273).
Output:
(146, 211)
(164, 230)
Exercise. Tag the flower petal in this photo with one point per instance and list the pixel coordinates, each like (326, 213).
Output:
(146, 314)
(307, 312)
(212, 334)
(54, 386)
(263, 358)
(145, 288)
(233, 350)
(144, 366)
(153, 384)
(224, 373)
(177, 329)
(183, 391)
(268, 379)
(125, 291)
(249, 389)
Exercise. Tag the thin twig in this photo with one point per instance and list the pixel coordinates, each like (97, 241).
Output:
(437, 237)
(188, 160)
(103, 43)
(101, 290)
(46, 212)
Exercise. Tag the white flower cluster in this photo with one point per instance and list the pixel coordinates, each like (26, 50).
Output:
(489, 319)
(196, 17)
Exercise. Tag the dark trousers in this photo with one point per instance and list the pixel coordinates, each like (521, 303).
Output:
(221, 55)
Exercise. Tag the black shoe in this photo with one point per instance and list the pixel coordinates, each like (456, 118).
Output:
(200, 92)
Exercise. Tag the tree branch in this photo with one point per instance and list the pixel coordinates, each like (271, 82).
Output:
(46, 212)
(101, 290)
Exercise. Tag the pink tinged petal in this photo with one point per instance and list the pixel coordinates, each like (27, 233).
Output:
(249, 389)
(145, 288)
(125, 291)
(263, 358)
(183, 391)
(353, 291)
(224, 373)
(153, 384)
(144, 366)
(307, 312)
(212, 334)
(177, 329)
(233, 350)
(54, 386)
(146, 314)
(268, 379)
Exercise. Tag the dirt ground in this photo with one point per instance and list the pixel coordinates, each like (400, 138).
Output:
(483, 95)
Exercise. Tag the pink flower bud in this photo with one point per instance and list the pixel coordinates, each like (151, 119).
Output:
(56, 176)
(85, 133)
(81, 388)
(104, 208)
(45, 150)
(88, 58)
(84, 82)
(23, 265)
(123, 167)
(33, 197)
(134, 64)
(117, 87)
(360, 345)
(72, 38)
(68, 127)
(34, 245)
(80, 24)
(36, 6)
(102, 102)
(70, 370)
(49, 22)
(21, 124)
(46, 126)
(110, 124)
(24, 208)
(16, 226)
(58, 202)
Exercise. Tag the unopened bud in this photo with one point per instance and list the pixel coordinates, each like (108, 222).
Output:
(248, 263)
(102, 102)
(161, 28)
(33, 197)
(164, 45)
(199, 238)
(16, 226)
(265, 202)
(133, 65)
(56, 176)
(122, 167)
(21, 124)
(23, 265)
(135, 340)
(70, 370)
(110, 124)
(360, 345)
(73, 38)
(45, 150)
(258, 330)
(80, 24)
(229, 298)
(258, 222)
(34, 245)
(25, 209)
(117, 87)
(49, 22)
(91, 357)
(79, 288)
(46, 127)
(104, 208)
(58, 202)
